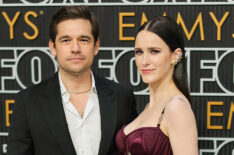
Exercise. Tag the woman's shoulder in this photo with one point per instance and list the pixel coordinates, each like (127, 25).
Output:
(181, 126)
(179, 110)
(178, 103)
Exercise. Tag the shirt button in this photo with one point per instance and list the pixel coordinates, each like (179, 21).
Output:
(82, 152)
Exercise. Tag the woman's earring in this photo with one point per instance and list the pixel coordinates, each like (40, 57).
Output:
(178, 59)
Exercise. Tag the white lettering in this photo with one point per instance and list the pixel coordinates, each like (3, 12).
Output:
(43, 2)
(123, 2)
(4, 148)
(36, 63)
(138, 80)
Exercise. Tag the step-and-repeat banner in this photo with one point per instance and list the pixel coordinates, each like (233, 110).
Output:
(208, 27)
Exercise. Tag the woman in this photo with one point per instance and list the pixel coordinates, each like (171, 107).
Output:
(167, 124)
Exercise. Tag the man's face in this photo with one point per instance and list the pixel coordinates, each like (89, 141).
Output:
(74, 46)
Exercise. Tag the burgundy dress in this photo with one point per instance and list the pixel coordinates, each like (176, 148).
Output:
(143, 141)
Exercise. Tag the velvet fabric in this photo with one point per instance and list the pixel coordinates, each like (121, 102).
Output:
(143, 141)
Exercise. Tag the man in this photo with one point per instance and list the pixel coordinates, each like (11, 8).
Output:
(74, 111)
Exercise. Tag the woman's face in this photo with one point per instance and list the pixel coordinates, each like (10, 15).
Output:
(153, 57)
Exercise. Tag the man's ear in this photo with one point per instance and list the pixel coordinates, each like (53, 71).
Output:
(52, 47)
(96, 47)
(177, 55)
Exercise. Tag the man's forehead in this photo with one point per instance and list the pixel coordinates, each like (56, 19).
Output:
(75, 27)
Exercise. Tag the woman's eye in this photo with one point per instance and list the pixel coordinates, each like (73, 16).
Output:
(138, 52)
(154, 51)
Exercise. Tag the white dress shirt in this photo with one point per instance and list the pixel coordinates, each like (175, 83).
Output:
(85, 132)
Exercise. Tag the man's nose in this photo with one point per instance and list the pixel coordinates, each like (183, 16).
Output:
(75, 47)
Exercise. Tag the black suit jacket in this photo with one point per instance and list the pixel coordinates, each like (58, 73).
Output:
(38, 123)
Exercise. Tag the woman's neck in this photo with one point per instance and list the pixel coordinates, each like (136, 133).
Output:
(161, 93)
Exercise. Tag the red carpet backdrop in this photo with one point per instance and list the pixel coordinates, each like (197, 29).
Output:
(208, 27)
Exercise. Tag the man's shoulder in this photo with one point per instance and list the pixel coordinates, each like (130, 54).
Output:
(38, 88)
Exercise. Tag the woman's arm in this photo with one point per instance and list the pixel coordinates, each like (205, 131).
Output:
(181, 126)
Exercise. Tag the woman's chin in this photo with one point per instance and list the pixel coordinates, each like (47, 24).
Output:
(147, 81)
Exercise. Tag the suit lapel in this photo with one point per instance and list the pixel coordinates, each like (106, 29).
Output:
(53, 112)
(108, 107)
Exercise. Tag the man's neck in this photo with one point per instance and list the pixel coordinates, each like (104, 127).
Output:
(77, 83)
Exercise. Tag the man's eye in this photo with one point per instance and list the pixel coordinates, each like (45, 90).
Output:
(65, 40)
(84, 40)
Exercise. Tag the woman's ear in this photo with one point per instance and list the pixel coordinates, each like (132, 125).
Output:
(177, 55)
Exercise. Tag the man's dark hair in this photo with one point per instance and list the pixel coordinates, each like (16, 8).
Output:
(73, 12)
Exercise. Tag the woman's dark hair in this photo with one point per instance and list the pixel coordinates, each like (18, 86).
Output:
(170, 32)
(73, 12)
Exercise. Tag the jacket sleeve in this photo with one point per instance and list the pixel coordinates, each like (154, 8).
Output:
(132, 107)
(19, 140)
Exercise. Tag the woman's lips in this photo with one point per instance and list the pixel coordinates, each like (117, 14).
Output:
(147, 71)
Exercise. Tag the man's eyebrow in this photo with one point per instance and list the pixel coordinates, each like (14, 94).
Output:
(63, 37)
(85, 36)
(82, 36)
